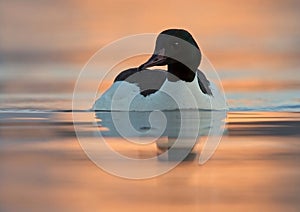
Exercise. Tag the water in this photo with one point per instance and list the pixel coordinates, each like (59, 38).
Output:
(43, 166)
(254, 167)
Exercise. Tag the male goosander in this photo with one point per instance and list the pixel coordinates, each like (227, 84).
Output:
(182, 86)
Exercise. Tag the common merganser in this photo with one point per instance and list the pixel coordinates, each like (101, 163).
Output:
(182, 86)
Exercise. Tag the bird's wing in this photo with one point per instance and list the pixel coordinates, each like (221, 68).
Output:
(203, 83)
(149, 81)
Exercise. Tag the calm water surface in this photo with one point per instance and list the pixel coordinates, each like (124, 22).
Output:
(255, 166)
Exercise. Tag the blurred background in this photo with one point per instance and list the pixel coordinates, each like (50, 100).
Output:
(254, 45)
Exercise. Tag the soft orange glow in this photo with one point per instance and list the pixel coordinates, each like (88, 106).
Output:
(247, 171)
(259, 85)
(254, 46)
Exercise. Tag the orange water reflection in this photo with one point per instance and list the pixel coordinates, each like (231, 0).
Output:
(46, 166)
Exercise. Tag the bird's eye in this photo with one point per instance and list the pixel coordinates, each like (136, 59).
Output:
(175, 44)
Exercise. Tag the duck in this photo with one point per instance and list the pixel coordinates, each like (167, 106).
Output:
(182, 86)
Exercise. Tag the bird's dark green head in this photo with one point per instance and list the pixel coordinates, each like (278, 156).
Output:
(175, 48)
(182, 34)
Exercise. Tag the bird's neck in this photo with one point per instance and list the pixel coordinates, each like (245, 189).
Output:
(180, 72)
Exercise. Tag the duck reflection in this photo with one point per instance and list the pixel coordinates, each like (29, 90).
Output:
(177, 132)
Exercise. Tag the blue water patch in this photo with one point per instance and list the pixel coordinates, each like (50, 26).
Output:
(279, 100)
(288, 108)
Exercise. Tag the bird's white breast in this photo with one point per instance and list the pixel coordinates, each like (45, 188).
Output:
(124, 96)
